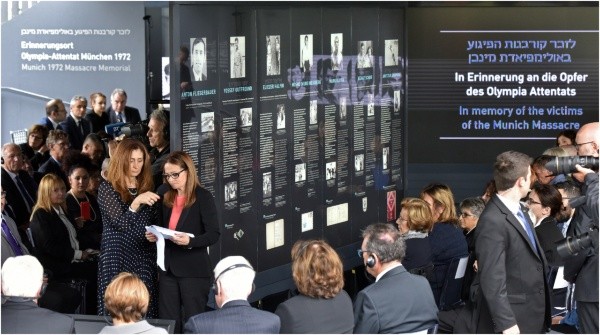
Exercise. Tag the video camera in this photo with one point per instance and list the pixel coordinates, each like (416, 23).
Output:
(566, 165)
(572, 245)
(136, 130)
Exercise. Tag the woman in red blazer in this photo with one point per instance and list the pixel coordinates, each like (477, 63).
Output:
(188, 209)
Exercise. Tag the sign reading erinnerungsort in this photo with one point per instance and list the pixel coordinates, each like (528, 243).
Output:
(63, 49)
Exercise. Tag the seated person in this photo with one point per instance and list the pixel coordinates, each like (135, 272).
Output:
(322, 305)
(22, 279)
(414, 223)
(234, 277)
(398, 301)
(55, 238)
(446, 239)
(126, 299)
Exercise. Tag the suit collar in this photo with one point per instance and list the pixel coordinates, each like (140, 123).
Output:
(512, 219)
(396, 270)
(236, 303)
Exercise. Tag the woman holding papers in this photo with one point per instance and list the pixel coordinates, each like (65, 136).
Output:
(190, 210)
(126, 202)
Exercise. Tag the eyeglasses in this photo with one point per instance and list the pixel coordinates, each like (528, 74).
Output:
(531, 201)
(173, 175)
(360, 253)
(577, 145)
(464, 215)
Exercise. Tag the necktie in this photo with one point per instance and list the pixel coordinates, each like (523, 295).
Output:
(14, 245)
(120, 117)
(80, 127)
(528, 229)
(23, 190)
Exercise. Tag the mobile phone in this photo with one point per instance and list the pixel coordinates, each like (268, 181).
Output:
(85, 210)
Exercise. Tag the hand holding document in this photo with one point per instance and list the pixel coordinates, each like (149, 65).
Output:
(162, 234)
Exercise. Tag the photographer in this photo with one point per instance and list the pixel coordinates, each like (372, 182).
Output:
(582, 269)
(158, 137)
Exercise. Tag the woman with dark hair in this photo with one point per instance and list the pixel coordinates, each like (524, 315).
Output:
(35, 148)
(82, 205)
(190, 210)
(545, 202)
(126, 300)
(565, 138)
(414, 222)
(322, 305)
(126, 202)
(446, 238)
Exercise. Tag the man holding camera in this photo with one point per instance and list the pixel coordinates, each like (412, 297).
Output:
(582, 269)
(158, 136)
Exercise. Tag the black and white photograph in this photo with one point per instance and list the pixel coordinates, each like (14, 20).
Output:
(198, 58)
(300, 173)
(370, 104)
(273, 55)
(359, 162)
(306, 52)
(165, 78)
(342, 108)
(385, 156)
(391, 53)
(207, 122)
(397, 101)
(230, 191)
(237, 45)
(266, 184)
(313, 112)
(330, 170)
(281, 116)
(307, 221)
(337, 46)
(364, 60)
(246, 116)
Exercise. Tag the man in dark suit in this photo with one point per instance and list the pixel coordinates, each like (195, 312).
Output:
(513, 295)
(22, 279)
(118, 111)
(20, 188)
(76, 126)
(234, 278)
(58, 143)
(55, 114)
(398, 301)
(582, 269)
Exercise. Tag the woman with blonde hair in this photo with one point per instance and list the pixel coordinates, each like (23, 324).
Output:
(414, 222)
(322, 305)
(55, 237)
(126, 300)
(446, 239)
(127, 205)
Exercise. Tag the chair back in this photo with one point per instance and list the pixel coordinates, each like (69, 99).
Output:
(451, 291)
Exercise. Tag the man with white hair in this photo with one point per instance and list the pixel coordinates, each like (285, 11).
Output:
(22, 278)
(234, 277)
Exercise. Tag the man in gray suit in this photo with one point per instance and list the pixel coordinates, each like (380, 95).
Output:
(511, 291)
(22, 278)
(398, 301)
(234, 277)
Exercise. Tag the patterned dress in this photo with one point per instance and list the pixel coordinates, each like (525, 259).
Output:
(124, 245)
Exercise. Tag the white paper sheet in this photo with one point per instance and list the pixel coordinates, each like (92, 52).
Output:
(162, 233)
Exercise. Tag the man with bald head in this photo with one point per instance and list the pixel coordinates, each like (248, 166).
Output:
(55, 114)
(582, 269)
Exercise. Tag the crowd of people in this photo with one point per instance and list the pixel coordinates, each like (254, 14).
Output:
(75, 214)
